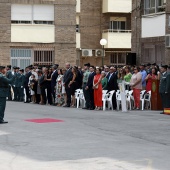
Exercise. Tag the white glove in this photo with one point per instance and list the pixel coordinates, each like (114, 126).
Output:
(21, 86)
(14, 85)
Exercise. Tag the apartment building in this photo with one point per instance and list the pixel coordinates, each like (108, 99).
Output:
(151, 31)
(108, 19)
(37, 32)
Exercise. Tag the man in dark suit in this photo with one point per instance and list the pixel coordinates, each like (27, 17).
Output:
(112, 84)
(4, 83)
(27, 76)
(67, 78)
(53, 81)
(89, 89)
(164, 88)
(9, 76)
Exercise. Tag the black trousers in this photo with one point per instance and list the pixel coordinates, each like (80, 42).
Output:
(86, 96)
(165, 97)
(2, 107)
(53, 93)
(44, 97)
(68, 93)
(21, 94)
(91, 93)
(9, 93)
(49, 96)
(27, 91)
(16, 93)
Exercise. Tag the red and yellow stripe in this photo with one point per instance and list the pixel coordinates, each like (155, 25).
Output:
(167, 111)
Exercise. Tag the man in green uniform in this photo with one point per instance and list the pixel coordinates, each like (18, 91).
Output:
(85, 79)
(164, 88)
(4, 83)
(16, 85)
(21, 85)
(9, 76)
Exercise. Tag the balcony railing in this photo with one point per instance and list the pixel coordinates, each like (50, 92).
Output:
(117, 31)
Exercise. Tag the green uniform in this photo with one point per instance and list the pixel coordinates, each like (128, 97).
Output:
(4, 83)
(16, 85)
(164, 90)
(21, 87)
(85, 79)
(9, 76)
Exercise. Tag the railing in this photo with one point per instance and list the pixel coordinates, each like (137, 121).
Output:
(117, 31)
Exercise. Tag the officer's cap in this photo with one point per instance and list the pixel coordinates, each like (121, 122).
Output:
(87, 64)
(154, 64)
(2, 67)
(149, 64)
(9, 66)
(14, 67)
(22, 70)
(164, 66)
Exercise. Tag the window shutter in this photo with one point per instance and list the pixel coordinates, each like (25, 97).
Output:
(21, 12)
(43, 12)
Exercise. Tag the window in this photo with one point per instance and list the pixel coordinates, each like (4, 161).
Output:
(77, 28)
(117, 25)
(43, 57)
(118, 58)
(21, 57)
(154, 6)
(32, 14)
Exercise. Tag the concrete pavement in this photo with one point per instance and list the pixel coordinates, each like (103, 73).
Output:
(85, 140)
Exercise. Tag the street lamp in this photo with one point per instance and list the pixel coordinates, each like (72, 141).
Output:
(103, 42)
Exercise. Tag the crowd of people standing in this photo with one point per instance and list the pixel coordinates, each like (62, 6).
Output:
(56, 86)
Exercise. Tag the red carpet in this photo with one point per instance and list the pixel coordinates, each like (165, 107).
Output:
(44, 120)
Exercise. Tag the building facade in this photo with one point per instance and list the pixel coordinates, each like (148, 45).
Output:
(37, 32)
(151, 31)
(108, 19)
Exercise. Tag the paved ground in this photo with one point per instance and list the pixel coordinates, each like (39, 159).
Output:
(86, 140)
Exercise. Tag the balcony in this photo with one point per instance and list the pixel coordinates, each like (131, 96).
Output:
(32, 33)
(117, 6)
(119, 39)
(78, 6)
(78, 40)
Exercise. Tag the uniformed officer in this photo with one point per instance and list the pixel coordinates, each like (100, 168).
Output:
(9, 76)
(4, 83)
(164, 88)
(16, 85)
(85, 79)
(21, 81)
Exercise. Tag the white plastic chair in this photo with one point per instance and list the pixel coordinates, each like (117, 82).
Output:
(82, 99)
(77, 97)
(109, 99)
(118, 99)
(142, 96)
(104, 98)
(129, 99)
(147, 98)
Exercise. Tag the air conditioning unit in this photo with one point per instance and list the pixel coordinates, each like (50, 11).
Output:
(167, 40)
(87, 53)
(99, 53)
